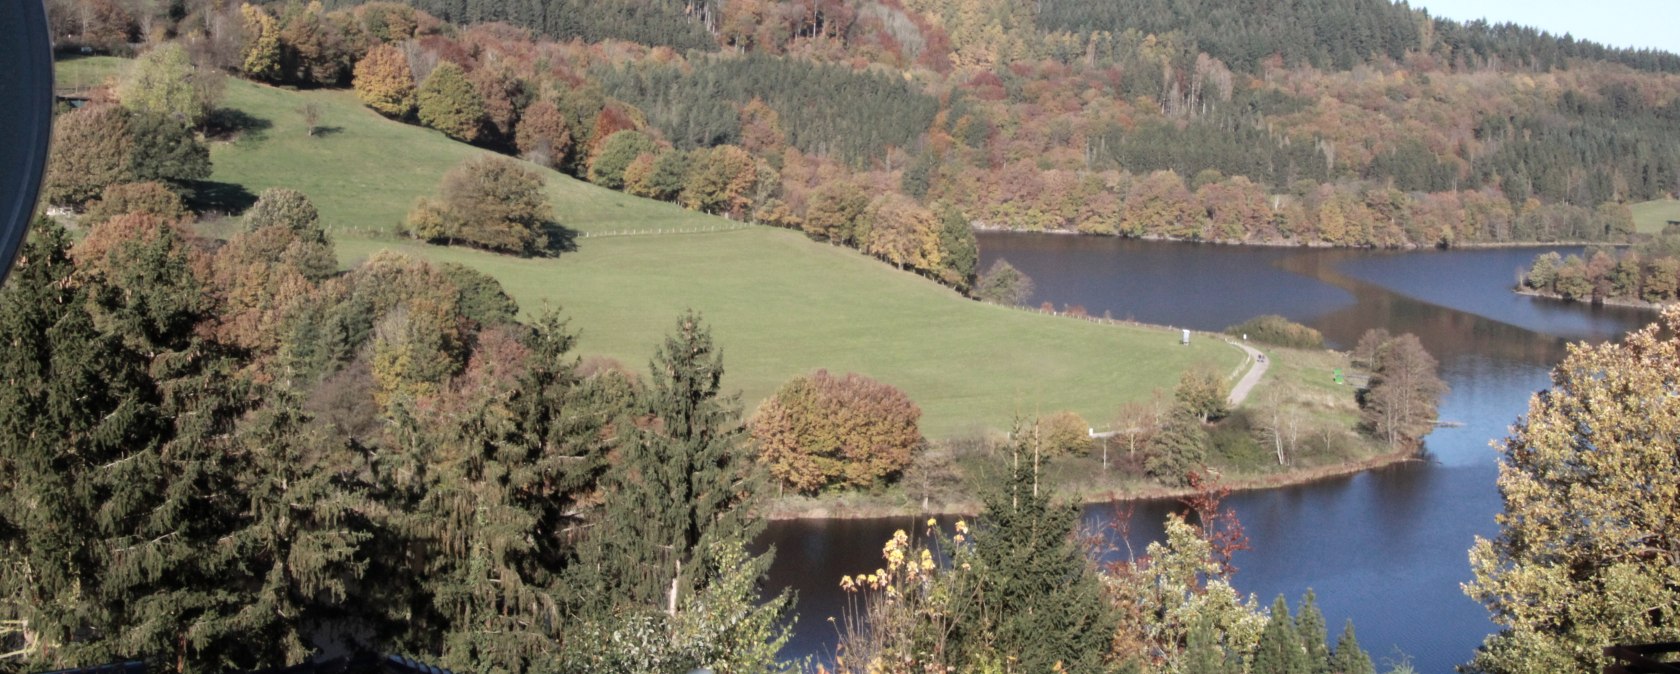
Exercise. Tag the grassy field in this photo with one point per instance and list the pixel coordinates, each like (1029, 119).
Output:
(76, 72)
(780, 305)
(1650, 217)
(1300, 380)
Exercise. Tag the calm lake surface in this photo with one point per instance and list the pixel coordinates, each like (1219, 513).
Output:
(1387, 548)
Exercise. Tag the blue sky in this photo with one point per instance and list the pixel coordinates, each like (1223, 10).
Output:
(1618, 23)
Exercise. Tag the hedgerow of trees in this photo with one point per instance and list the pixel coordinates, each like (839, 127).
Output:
(1649, 273)
(1277, 330)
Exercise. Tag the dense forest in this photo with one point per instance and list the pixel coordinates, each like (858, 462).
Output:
(680, 25)
(1334, 35)
(862, 114)
(219, 452)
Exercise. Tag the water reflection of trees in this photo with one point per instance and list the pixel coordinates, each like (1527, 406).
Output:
(1447, 333)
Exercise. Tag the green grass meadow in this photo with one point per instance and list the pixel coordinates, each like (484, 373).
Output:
(779, 304)
(1650, 217)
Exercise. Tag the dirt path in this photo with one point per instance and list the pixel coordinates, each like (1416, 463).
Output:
(1240, 392)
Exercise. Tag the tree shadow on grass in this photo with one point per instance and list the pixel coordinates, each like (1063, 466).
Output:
(324, 131)
(209, 196)
(232, 124)
(561, 239)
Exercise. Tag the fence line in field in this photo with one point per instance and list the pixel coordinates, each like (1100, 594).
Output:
(654, 231)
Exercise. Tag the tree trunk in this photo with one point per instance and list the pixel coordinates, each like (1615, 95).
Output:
(671, 602)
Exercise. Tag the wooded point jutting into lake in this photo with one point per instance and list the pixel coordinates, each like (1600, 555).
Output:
(839, 336)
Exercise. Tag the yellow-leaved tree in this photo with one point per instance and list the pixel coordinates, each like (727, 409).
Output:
(1588, 552)
(260, 58)
(384, 81)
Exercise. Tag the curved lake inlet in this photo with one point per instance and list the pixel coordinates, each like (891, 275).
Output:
(1386, 548)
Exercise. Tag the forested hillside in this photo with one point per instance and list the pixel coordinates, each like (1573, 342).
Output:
(861, 115)
(679, 24)
(878, 124)
(1332, 34)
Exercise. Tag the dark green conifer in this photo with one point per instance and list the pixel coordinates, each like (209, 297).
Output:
(684, 481)
(481, 296)
(1039, 600)
(1349, 658)
(166, 503)
(491, 502)
(166, 150)
(72, 407)
(1280, 651)
(666, 560)
(1179, 448)
(959, 250)
(1309, 623)
(299, 548)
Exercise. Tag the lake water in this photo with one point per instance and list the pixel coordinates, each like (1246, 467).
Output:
(1385, 548)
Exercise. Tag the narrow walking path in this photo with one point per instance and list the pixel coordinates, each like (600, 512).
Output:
(1240, 392)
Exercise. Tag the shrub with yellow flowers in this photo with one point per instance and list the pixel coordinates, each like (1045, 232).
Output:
(900, 616)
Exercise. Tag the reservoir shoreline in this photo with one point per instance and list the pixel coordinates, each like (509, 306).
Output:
(800, 508)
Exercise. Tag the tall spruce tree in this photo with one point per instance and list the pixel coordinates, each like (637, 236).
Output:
(299, 548)
(72, 408)
(166, 503)
(1309, 623)
(1280, 650)
(1349, 658)
(1179, 448)
(1039, 600)
(490, 499)
(668, 551)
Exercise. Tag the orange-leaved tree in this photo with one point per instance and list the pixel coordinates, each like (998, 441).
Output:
(821, 430)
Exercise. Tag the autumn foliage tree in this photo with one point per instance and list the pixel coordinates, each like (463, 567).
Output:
(541, 135)
(904, 234)
(260, 58)
(1064, 434)
(720, 180)
(820, 430)
(489, 202)
(90, 149)
(1202, 393)
(1588, 541)
(1398, 405)
(449, 103)
(503, 95)
(150, 198)
(835, 212)
(384, 82)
